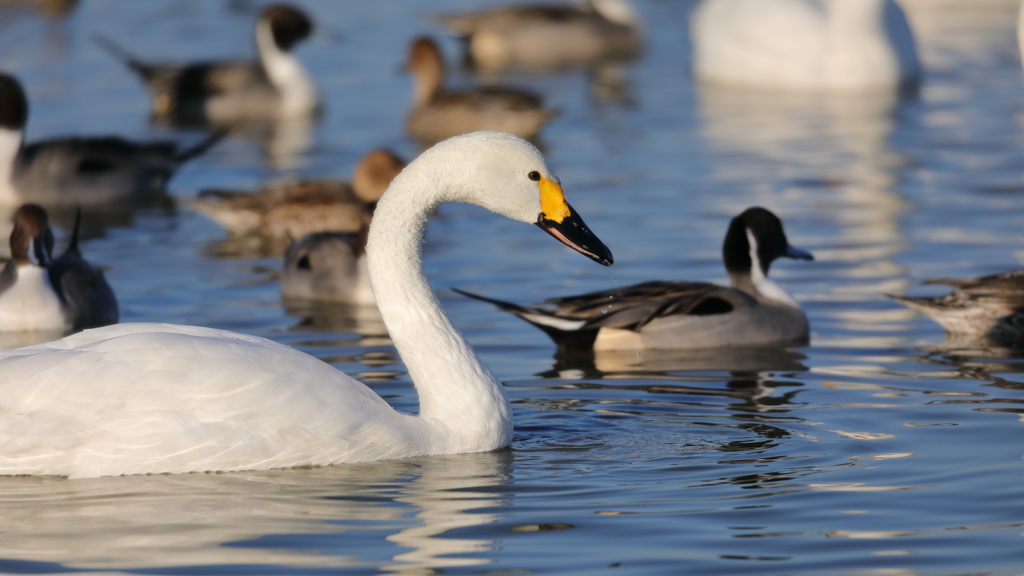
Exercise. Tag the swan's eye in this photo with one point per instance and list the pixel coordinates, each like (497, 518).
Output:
(535, 176)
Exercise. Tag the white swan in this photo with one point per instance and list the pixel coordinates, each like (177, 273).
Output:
(1020, 31)
(829, 45)
(151, 398)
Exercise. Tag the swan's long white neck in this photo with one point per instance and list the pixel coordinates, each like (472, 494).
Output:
(298, 92)
(460, 400)
(10, 144)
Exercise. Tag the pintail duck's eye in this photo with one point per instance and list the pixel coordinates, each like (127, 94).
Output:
(535, 176)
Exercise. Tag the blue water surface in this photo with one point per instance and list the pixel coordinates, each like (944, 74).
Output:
(879, 449)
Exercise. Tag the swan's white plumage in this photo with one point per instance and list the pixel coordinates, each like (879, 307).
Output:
(155, 398)
(804, 44)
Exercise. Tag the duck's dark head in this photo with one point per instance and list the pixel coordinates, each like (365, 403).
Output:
(31, 239)
(754, 240)
(288, 24)
(13, 104)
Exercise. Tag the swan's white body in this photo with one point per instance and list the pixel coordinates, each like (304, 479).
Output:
(149, 398)
(828, 45)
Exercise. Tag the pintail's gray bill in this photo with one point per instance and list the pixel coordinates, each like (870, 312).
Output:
(798, 253)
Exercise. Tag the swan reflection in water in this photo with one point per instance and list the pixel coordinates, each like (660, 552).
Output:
(257, 518)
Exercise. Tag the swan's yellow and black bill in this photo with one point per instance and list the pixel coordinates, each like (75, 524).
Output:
(573, 232)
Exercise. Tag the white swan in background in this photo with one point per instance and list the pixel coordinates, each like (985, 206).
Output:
(1020, 31)
(829, 45)
(154, 398)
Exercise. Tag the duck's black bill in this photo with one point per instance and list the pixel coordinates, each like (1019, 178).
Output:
(573, 232)
(798, 254)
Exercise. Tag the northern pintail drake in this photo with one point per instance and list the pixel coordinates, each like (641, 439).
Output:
(988, 307)
(79, 171)
(826, 45)
(286, 211)
(276, 86)
(681, 314)
(38, 292)
(438, 113)
(549, 36)
(156, 398)
(328, 267)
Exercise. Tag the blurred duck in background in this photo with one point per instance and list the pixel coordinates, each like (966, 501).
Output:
(328, 267)
(984, 308)
(438, 113)
(680, 314)
(40, 293)
(274, 87)
(548, 36)
(826, 45)
(50, 8)
(79, 171)
(284, 212)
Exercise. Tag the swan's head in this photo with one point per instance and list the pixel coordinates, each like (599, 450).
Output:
(508, 176)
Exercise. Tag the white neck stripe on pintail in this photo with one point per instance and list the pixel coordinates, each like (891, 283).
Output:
(765, 287)
(33, 256)
(756, 272)
(616, 11)
(286, 73)
(10, 145)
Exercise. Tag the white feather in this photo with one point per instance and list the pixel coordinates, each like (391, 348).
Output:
(766, 287)
(31, 303)
(10, 144)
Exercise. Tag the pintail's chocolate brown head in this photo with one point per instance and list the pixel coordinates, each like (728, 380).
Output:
(31, 239)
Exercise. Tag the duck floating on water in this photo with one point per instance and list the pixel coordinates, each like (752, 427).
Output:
(439, 113)
(984, 308)
(286, 211)
(42, 293)
(79, 171)
(755, 311)
(222, 92)
(549, 36)
(328, 267)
